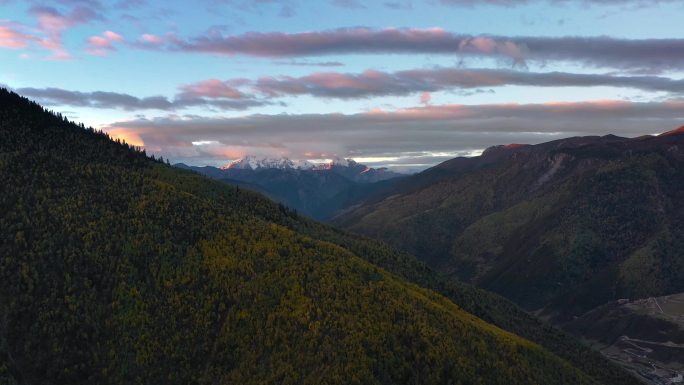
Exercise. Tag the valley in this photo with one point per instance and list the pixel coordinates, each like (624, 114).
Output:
(644, 335)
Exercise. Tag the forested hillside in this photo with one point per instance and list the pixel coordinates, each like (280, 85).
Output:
(563, 226)
(115, 268)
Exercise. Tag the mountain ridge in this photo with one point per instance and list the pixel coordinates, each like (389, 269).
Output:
(501, 181)
(319, 191)
(251, 162)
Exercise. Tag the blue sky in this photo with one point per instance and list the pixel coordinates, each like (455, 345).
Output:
(404, 84)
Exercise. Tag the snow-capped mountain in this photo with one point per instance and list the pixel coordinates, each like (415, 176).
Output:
(339, 162)
(318, 190)
(347, 168)
(251, 162)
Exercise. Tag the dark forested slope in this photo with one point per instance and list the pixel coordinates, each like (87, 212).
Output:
(115, 268)
(564, 226)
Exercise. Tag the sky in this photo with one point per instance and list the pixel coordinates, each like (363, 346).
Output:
(399, 83)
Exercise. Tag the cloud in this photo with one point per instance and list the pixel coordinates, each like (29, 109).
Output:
(11, 37)
(130, 4)
(52, 24)
(114, 100)
(351, 4)
(338, 41)
(103, 45)
(150, 39)
(284, 8)
(413, 135)
(397, 5)
(425, 98)
(242, 94)
(608, 52)
(96, 99)
(310, 64)
(213, 89)
(378, 83)
(516, 3)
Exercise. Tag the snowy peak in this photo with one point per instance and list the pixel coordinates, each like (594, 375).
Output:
(337, 162)
(347, 168)
(251, 162)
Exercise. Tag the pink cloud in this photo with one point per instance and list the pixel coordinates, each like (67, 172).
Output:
(490, 46)
(425, 98)
(327, 84)
(333, 80)
(212, 88)
(151, 39)
(99, 42)
(645, 55)
(344, 40)
(52, 24)
(590, 109)
(13, 39)
(153, 42)
(378, 83)
(112, 36)
(353, 40)
(102, 45)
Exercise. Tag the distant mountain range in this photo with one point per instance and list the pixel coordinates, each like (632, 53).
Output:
(347, 168)
(251, 162)
(316, 190)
